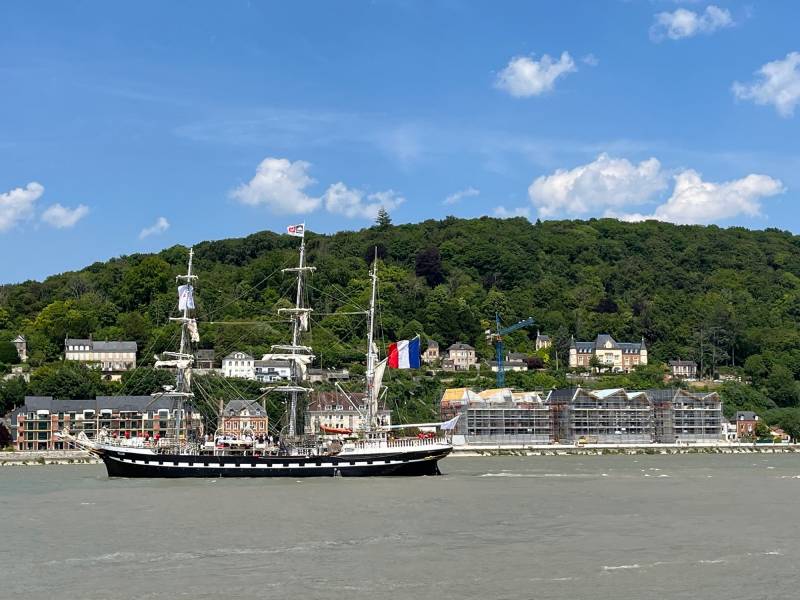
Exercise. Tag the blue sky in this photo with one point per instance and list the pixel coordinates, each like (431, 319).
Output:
(129, 127)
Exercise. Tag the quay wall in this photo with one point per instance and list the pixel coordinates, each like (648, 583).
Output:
(611, 449)
(47, 457)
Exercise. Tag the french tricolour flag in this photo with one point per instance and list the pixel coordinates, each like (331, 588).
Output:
(404, 354)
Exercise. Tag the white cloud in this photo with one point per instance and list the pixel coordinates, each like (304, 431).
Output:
(779, 85)
(279, 184)
(505, 213)
(696, 201)
(591, 60)
(685, 23)
(525, 77)
(18, 204)
(62, 217)
(604, 183)
(460, 195)
(354, 203)
(160, 226)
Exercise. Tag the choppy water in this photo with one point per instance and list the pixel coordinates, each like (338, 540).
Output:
(616, 527)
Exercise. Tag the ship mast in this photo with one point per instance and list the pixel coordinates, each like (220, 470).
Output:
(372, 356)
(298, 355)
(183, 359)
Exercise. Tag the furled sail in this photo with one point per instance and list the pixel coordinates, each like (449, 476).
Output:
(194, 334)
(377, 377)
(185, 297)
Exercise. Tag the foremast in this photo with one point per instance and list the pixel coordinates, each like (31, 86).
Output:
(297, 354)
(183, 359)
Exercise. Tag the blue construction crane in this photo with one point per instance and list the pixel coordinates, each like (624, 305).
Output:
(496, 337)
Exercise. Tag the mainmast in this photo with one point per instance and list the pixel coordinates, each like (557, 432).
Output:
(299, 355)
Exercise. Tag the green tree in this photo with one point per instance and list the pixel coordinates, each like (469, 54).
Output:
(781, 386)
(762, 430)
(5, 436)
(142, 283)
(8, 353)
(12, 393)
(756, 368)
(66, 380)
(428, 264)
(144, 381)
(383, 220)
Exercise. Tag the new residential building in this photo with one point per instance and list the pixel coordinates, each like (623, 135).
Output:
(612, 416)
(498, 415)
(41, 417)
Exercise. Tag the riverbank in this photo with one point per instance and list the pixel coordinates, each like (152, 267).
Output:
(55, 457)
(616, 449)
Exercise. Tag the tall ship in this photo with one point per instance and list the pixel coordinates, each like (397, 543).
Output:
(375, 450)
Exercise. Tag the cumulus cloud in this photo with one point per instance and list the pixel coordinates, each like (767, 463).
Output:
(685, 23)
(159, 227)
(18, 204)
(778, 84)
(456, 197)
(280, 185)
(354, 203)
(62, 217)
(505, 213)
(700, 202)
(604, 183)
(524, 77)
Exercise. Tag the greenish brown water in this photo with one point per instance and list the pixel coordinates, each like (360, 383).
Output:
(601, 527)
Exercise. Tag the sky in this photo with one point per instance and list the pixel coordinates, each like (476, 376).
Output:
(133, 126)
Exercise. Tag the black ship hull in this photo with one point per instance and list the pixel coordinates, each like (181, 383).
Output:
(122, 463)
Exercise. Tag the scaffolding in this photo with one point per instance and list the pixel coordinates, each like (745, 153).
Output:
(568, 416)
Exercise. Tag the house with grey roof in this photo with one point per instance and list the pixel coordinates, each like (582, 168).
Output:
(239, 364)
(683, 369)
(460, 357)
(543, 341)
(244, 417)
(113, 358)
(614, 356)
(268, 371)
(343, 411)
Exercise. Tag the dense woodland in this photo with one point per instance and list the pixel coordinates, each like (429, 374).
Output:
(726, 298)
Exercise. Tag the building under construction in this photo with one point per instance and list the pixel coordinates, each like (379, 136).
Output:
(584, 416)
(601, 416)
(499, 416)
(682, 416)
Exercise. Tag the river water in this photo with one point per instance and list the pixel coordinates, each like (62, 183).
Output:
(600, 527)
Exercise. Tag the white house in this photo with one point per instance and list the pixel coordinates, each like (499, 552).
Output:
(272, 370)
(239, 364)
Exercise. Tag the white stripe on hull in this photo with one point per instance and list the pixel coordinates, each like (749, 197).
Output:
(217, 465)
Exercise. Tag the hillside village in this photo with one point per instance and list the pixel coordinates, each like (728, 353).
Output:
(597, 323)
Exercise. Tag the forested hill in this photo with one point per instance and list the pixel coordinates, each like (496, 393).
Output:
(737, 291)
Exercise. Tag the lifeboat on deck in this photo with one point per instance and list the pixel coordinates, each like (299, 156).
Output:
(335, 430)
